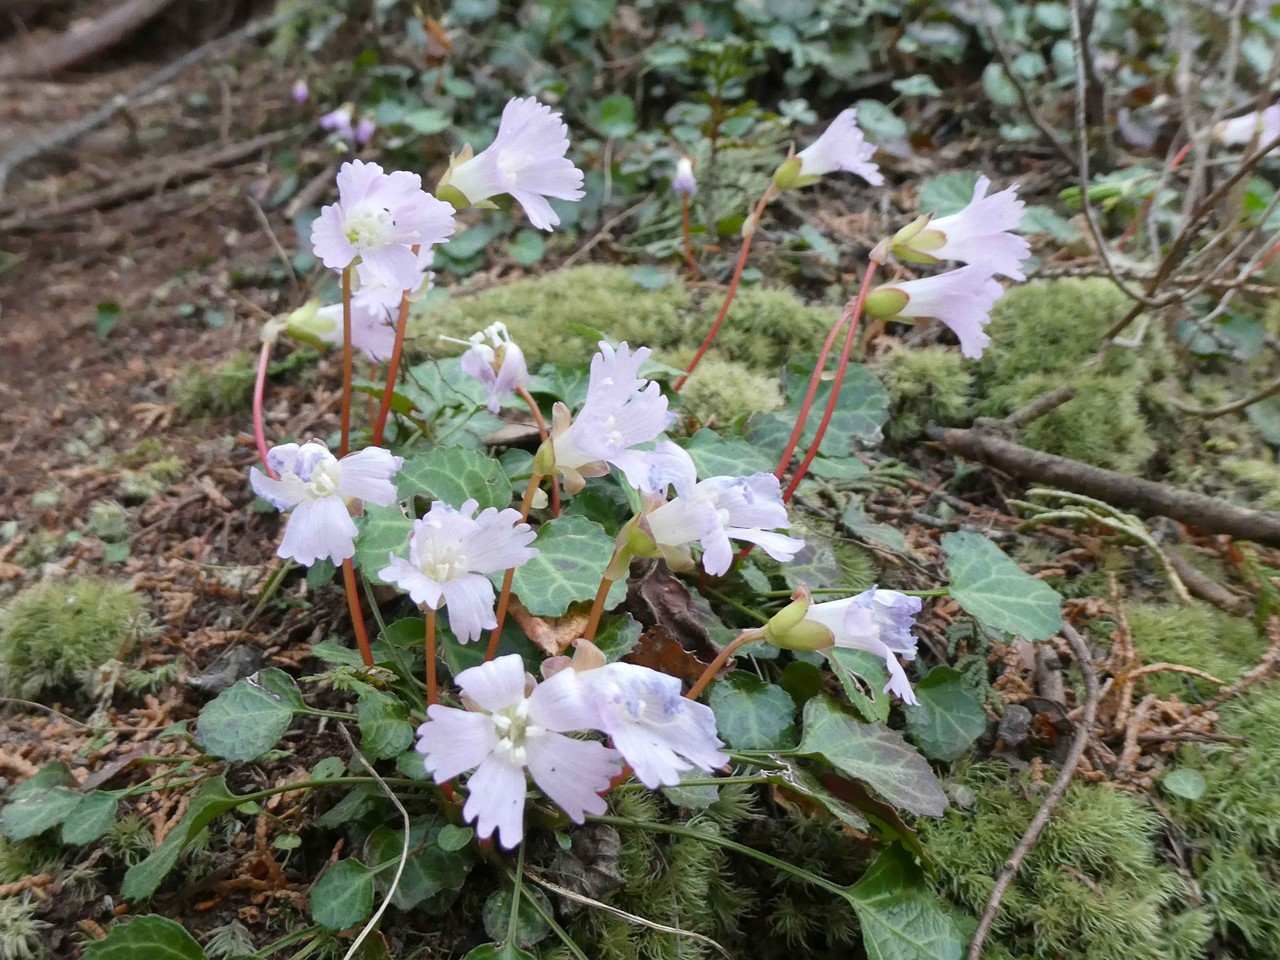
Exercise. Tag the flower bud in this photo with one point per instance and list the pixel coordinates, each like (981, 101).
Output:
(790, 630)
(788, 176)
(307, 325)
(885, 303)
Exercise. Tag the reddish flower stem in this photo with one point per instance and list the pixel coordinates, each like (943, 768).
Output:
(346, 363)
(259, 389)
(393, 365)
(597, 609)
(748, 234)
(545, 434)
(357, 616)
(688, 239)
(841, 368)
(433, 692)
(504, 596)
(721, 659)
(811, 392)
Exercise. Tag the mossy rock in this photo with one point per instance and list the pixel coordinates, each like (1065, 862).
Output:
(55, 634)
(1197, 636)
(926, 384)
(556, 318)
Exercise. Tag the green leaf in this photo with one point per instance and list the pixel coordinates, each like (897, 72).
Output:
(920, 85)
(93, 816)
(751, 714)
(949, 716)
(243, 722)
(999, 89)
(531, 928)
(717, 456)
(879, 123)
(109, 314)
(802, 781)
(40, 803)
(527, 247)
(873, 754)
(573, 553)
(862, 411)
(454, 837)
(901, 918)
(151, 937)
(383, 531)
(453, 474)
(433, 872)
(650, 277)
(343, 896)
(211, 800)
(864, 527)
(1185, 783)
(863, 676)
(384, 724)
(947, 194)
(819, 243)
(618, 636)
(614, 116)
(996, 592)
(491, 951)
(1042, 219)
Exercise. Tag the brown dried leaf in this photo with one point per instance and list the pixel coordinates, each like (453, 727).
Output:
(552, 636)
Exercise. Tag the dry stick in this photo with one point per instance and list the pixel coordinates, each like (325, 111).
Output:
(346, 362)
(393, 365)
(748, 234)
(841, 368)
(688, 239)
(357, 616)
(1041, 819)
(504, 597)
(811, 391)
(276, 245)
(1116, 489)
(433, 693)
(748, 636)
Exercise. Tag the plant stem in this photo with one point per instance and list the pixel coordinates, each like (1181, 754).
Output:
(677, 830)
(433, 693)
(747, 636)
(597, 609)
(810, 393)
(357, 616)
(346, 370)
(393, 365)
(688, 239)
(841, 369)
(517, 887)
(504, 596)
(545, 434)
(260, 388)
(748, 234)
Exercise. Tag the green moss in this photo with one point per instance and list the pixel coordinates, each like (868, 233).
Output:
(1091, 887)
(720, 391)
(928, 384)
(765, 326)
(107, 520)
(1260, 480)
(56, 633)
(20, 931)
(151, 479)
(226, 389)
(1197, 636)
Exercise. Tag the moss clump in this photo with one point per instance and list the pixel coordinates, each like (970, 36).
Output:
(1259, 478)
(1091, 887)
(20, 931)
(765, 326)
(1197, 636)
(55, 634)
(719, 392)
(929, 384)
(107, 520)
(150, 480)
(226, 389)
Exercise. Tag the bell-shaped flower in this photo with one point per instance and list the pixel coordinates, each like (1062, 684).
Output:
(510, 730)
(878, 621)
(498, 365)
(526, 160)
(1238, 131)
(622, 410)
(373, 331)
(962, 299)
(658, 731)
(372, 294)
(683, 182)
(715, 511)
(841, 147)
(450, 551)
(340, 121)
(979, 234)
(318, 487)
(378, 218)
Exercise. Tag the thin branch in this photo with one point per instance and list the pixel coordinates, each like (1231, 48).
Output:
(1083, 732)
(993, 35)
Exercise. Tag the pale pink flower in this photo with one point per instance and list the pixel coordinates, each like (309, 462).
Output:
(300, 92)
(377, 218)
(1241, 130)
(979, 234)
(373, 330)
(962, 299)
(499, 364)
(374, 295)
(658, 731)
(714, 512)
(339, 121)
(364, 130)
(622, 410)
(512, 730)
(880, 622)
(683, 182)
(841, 147)
(527, 160)
(319, 486)
(450, 552)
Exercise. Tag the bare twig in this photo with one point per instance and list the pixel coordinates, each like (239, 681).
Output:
(275, 242)
(1041, 405)
(993, 35)
(1209, 413)
(1083, 732)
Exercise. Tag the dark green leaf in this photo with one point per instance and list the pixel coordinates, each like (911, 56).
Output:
(949, 716)
(211, 800)
(614, 116)
(343, 896)
(531, 928)
(996, 592)
(863, 676)
(1185, 783)
(526, 247)
(454, 475)
(873, 754)
(717, 456)
(40, 803)
(384, 724)
(243, 722)
(573, 553)
(93, 816)
(146, 938)
(947, 194)
(751, 714)
(491, 951)
(901, 918)
(108, 316)
(800, 780)
(383, 531)
(618, 636)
